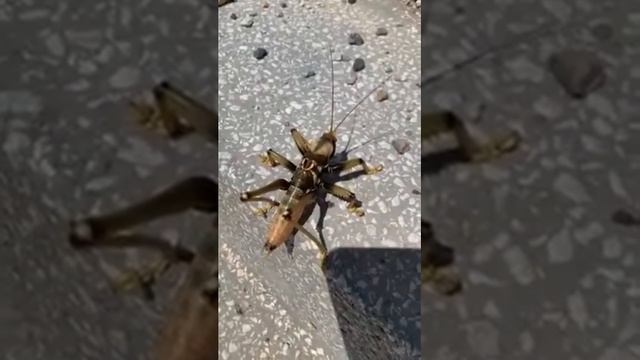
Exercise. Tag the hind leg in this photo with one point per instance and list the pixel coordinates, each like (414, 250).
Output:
(255, 196)
(108, 230)
(434, 124)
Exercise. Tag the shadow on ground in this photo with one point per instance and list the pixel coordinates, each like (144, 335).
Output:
(376, 295)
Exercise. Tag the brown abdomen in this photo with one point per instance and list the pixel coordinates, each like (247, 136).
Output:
(282, 227)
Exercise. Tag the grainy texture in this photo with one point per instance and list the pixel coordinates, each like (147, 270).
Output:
(281, 307)
(547, 273)
(69, 147)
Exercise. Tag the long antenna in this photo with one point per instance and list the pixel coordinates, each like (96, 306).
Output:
(361, 101)
(332, 89)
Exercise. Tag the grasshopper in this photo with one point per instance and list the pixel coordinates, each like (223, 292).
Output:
(437, 259)
(309, 176)
(191, 329)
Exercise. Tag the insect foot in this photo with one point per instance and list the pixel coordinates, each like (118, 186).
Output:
(81, 234)
(445, 281)
(268, 161)
(262, 212)
(324, 261)
(143, 278)
(355, 208)
(498, 147)
(375, 169)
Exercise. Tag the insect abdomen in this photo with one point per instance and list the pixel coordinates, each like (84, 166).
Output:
(289, 213)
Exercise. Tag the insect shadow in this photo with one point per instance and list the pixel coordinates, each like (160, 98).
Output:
(376, 296)
(434, 163)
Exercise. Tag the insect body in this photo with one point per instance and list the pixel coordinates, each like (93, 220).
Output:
(308, 177)
(191, 329)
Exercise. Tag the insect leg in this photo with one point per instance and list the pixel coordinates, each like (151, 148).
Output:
(437, 261)
(176, 114)
(273, 159)
(198, 193)
(354, 205)
(280, 184)
(322, 247)
(351, 163)
(438, 123)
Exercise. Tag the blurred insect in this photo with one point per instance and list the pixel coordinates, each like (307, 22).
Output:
(191, 329)
(309, 176)
(438, 259)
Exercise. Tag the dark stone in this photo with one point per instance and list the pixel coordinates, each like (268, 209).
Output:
(260, 53)
(355, 39)
(358, 65)
(382, 31)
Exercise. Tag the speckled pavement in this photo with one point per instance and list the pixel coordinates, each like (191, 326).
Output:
(547, 274)
(69, 146)
(281, 307)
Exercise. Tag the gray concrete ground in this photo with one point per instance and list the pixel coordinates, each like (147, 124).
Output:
(68, 147)
(281, 307)
(547, 274)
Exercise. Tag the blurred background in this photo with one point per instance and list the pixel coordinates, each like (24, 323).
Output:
(69, 148)
(548, 273)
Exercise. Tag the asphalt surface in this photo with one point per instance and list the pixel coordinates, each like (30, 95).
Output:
(547, 274)
(69, 148)
(282, 306)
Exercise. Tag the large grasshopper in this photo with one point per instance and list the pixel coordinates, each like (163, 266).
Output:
(438, 259)
(308, 177)
(191, 331)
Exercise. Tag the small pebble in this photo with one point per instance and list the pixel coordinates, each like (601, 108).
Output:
(283, 4)
(260, 53)
(579, 72)
(402, 146)
(358, 65)
(381, 96)
(309, 74)
(253, 14)
(265, 5)
(247, 22)
(233, 16)
(355, 39)
(381, 31)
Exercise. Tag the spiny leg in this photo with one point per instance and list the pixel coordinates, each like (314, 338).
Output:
(437, 123)
(197, 193)
(354, 205)
(273, 159)
(279, 184)
(351, 163)
(176, 114)
(322, 247)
